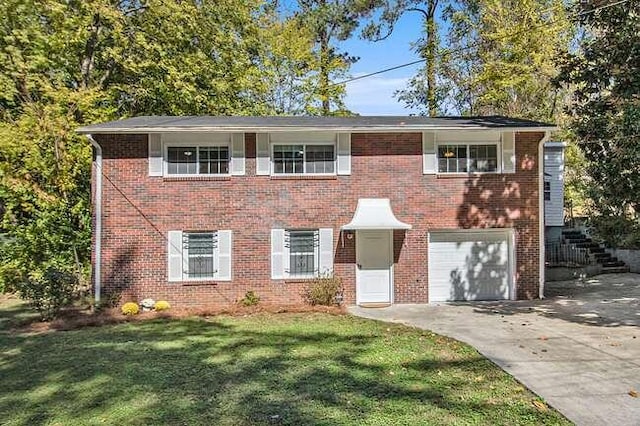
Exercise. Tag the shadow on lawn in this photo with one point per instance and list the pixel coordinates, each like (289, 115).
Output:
(207, 372)
(15, 313)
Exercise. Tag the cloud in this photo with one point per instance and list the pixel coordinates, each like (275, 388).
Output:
(374, 96)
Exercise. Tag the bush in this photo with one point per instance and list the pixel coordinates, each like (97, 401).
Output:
(250, 299)
(324, 290)
(162, 305)
(130, 308)
(48, 292)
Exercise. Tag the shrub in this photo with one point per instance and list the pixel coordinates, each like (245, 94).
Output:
(162, 305)
(130, 308)
(47, 292)
(250, 299)
(324, 290)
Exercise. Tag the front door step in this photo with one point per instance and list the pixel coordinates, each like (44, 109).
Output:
(374, 305)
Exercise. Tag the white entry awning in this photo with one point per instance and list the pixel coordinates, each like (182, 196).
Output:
(374, 213)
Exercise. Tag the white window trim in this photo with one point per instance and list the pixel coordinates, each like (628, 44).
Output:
(197, 145)
(335, 158)
(498, 146)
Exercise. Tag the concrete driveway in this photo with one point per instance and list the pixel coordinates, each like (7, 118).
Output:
(579, 349)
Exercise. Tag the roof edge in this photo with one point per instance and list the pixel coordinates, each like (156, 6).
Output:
(282, 129)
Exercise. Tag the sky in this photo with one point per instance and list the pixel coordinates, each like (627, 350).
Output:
(374, 95)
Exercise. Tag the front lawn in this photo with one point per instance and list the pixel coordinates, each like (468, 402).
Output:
(296, 369)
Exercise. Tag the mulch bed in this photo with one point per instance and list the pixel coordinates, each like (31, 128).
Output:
(74, 318)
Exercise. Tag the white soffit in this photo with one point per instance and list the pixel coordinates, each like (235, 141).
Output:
(374, 213)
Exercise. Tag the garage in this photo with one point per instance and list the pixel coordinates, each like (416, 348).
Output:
(471, 265)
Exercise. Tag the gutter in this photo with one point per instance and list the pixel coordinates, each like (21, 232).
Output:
(280, 129)
(547, 136)
(97, 202)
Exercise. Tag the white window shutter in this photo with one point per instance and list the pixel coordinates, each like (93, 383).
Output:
(263, 162)
(174, 250)
(155, 155)
(326, 251)
(429, 155)
(237, 154)
(277, 254)
(344, 154)
(508, 152)
(224, 256)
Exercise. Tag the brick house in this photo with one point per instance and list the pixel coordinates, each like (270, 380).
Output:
(200, 210)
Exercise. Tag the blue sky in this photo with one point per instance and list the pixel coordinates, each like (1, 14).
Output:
(374, 95)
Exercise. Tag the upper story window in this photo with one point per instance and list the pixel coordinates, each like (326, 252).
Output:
(304, 159)
(464, 158)
(198, 160)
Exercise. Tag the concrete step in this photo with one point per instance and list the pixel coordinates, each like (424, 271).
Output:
(596, 249)
(615, 264)
(573, 235)
(599, 256)
(577, 240)
(615, 269)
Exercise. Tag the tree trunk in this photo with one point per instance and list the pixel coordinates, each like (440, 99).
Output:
(430, 56)
(86, 65)
(324, 75)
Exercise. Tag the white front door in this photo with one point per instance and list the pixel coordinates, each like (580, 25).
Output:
(374, 261)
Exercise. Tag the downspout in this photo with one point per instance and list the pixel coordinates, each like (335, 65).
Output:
(97, 202)
(541, 259)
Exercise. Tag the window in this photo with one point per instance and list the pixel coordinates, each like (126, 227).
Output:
(483, 158)
(198, 251)
(547, 191)
(198, 160)
(301, 253)
(303, 250)
(463, 158)
(199, 255)
(452, 158)
(304, 159)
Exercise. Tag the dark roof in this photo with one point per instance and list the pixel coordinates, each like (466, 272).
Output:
(281, 123)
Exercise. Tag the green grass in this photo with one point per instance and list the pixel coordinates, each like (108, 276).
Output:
(295, 369)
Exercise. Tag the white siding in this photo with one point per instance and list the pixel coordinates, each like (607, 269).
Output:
(554, 174)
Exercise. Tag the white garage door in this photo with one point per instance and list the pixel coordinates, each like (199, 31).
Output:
(470, 265)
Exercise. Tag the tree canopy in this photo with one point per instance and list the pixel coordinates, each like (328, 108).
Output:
(65, 63)
(604, 75)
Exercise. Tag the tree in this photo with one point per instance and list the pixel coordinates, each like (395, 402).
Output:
(287, 65)
(330, 21)
(423, 91)
(604, 74)
(499, 56)
(66, 63)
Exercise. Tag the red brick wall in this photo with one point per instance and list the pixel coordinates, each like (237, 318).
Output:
(139, 211)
